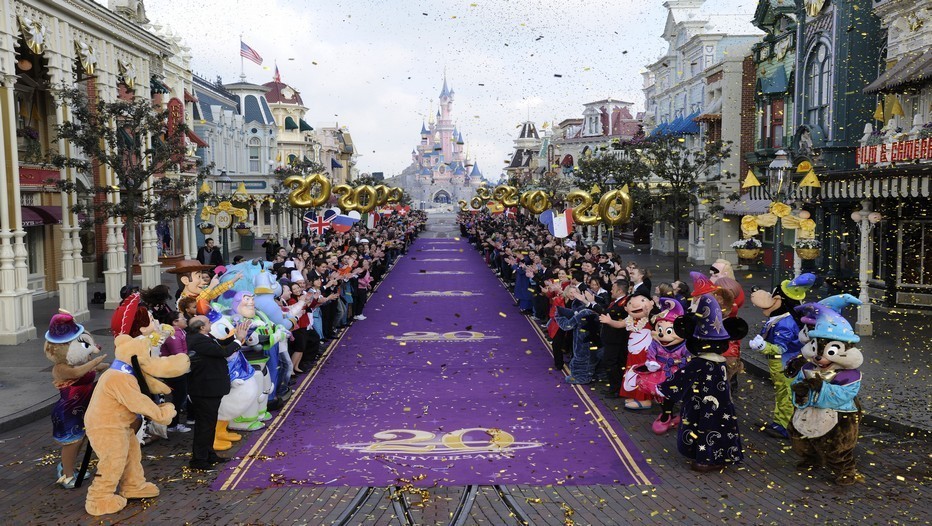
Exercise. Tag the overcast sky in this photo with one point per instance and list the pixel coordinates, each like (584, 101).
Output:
(376, 66)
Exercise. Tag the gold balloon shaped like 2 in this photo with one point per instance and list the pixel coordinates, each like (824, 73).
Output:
(615, 207)
(381, 195)
(308, 191)
(581, 203)
(505, 194)
(484, 194)
(366, 198)
(535, 201)
(347, 200)
(463, 205)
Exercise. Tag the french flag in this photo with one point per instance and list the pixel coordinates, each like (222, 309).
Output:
(559, 225)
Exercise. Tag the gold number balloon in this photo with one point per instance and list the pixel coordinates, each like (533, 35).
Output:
(299, 196)
(463, 205)
(365, 198)
(615, 207)
(475, 203)
(302, 190)
(536, 202)
(581, 203)
(395, 194)
(381, 195)
(483, 193)
(347, 195)
(523, 199)
(505, 194)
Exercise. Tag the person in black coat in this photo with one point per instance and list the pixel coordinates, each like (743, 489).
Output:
(614, 340)
(209, 254)
(209, 381)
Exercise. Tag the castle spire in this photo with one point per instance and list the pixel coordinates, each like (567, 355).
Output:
(445, 92)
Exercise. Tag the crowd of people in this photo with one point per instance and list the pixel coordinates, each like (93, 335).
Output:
(664, 344)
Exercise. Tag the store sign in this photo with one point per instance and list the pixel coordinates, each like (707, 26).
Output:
(895, 152)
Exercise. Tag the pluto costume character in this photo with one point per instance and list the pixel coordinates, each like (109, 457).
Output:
(825, 425)
(113, 408)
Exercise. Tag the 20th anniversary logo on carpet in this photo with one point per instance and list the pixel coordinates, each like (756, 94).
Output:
(467, 443)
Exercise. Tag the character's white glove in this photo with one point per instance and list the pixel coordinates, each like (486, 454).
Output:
(652, 366)
(758, 343)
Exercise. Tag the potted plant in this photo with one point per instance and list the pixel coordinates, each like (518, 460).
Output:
(748, 248)
(242, 229)
(926, 131)
(206, 227)
(808, 248)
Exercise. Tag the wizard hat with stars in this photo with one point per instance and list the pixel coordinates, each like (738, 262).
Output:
(832, 326)
(709, 324)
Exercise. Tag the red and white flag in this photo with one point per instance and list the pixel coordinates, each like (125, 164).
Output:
(249, 53)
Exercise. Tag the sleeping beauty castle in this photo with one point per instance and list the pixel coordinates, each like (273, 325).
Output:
(441, 172)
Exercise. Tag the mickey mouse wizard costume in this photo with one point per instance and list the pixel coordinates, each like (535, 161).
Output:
(708, 433)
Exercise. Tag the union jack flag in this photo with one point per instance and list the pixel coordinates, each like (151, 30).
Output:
(249, 53)
(317, 224)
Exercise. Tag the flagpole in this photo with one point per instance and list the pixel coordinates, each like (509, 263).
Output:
(242, 73)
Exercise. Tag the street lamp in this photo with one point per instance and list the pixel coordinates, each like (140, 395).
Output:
(777, 186)
(224, 188)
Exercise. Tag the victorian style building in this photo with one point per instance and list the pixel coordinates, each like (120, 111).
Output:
(440, 172)
(698, 79)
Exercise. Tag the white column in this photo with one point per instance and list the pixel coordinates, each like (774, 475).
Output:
(115, 275)
(16, 323)
(72, 288)
(864, 326)
(149, 267)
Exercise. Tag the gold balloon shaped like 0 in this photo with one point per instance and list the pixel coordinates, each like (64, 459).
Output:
(476, 203)
(347, 200)
(536, 201)
(395, 194)
(366, 198)
(615, 207)
(303, 193)
(581, 203)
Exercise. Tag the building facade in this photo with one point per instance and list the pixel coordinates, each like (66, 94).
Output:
(440, 173)
(676, 92)
(603, 123)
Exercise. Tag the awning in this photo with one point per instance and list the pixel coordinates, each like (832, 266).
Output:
(188, 97)
(690, 126)
(290, 124)
(304, 125)
(156, 86)
(774, 83)
(713, 113)
(746, 206)
(912, 68)
(334, 164)
(41, 215)
(659, 130)
(674, 126)
(201, 143)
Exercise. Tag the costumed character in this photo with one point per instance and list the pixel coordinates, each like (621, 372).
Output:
(265, 341)
(779, 342)
(72, 350)
(824, 428)
(582, 366)
(116, 401)
(708, 432)
(243, 397)
(194, 284)
(730, 296)
(666, 355)
(639, 308)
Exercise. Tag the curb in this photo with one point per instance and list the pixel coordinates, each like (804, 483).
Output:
(28, 415)
(878, 422)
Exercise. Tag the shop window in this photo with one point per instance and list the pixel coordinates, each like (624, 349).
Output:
(771, 123)
(32, 104)
(254, 151)
(879, 247)
(916, 253)
(35, 243)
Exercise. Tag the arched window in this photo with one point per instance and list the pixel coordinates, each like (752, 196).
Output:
(255, 147)
(819, 87)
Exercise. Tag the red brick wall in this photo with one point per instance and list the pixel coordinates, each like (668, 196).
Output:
(748, 112)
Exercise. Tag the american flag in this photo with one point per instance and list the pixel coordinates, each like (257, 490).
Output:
(317, 223)
(249, 53)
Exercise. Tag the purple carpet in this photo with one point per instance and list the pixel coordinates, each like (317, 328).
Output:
(445, 383)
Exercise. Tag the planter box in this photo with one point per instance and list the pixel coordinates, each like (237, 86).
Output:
(748, 253)
(807, 253)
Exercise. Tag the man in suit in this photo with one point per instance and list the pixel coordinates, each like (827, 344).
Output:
(209, 382)
(614, 340)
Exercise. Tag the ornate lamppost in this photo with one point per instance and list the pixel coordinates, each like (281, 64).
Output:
(866, 220)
